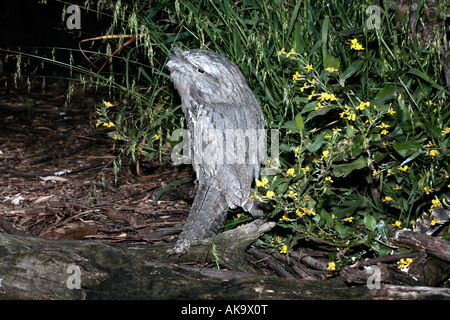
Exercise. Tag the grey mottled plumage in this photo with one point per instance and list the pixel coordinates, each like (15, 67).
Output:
(221, 111)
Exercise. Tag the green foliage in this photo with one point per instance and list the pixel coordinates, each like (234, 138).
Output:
(363, 113)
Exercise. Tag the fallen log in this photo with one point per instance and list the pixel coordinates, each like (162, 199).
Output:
(35, 268)
(433, 246)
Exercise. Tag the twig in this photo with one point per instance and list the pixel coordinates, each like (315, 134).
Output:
(385, 259)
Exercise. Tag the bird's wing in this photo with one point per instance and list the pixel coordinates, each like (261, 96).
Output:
(228, 143)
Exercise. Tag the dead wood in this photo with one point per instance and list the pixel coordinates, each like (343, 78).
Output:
(433, 246)
(430, 261)
(34, 268)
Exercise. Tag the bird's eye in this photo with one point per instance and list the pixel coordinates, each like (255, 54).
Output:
(200, 70)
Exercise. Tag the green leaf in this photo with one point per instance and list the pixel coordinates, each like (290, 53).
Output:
(294, 19)
(342, 229)
(299, 125)
(328, 218)
(383, 229)
(316, 144)
(406, 148)
(349, 131)
(415, 155)
(425, 77)
(342, 170)
(331, 62)
(386, 93)
(351, 69)
(309, 107)
(318, 112)
(325, 26)
(290, 125)
(370, 222)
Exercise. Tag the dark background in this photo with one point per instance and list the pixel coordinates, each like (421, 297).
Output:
(27, 25)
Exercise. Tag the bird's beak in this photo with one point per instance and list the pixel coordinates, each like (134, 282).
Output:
(176, 57)
(176, 51)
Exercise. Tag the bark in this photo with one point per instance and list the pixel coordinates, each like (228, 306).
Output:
(36, 268)
(435, 247)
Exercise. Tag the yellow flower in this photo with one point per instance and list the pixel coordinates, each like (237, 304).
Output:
(384, 132)
(296, 77)
(445, 131)
(312, 95)
(329, 179)
(355, 45)
(363, 105)
(98, 122)
(428, 190)
(309, 67)
(430, 103)
(109, 124)
(262, 183)
(397, 224)
(290, 52)
(270, 194)
(331, 266)
(391, 111)
(327, 96)
(404, 168)
(435, 203)
(348, 219)
(404, 263)
(433, 152)
(285, 217)
(331, 69)
(351, 117)
(290, 172)
(336, 130)
(282, 51)
(117, 137)
(284, 250)
(300, 213)
(384, 125)
(157, 137)
(397, 187)
(292, 194)
(107, 104)
(347, 114)
(305, 86)
(434, 221)
(376, 173)
(387, 198)
(325, 153)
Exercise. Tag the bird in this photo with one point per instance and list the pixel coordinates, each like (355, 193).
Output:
(225, 126)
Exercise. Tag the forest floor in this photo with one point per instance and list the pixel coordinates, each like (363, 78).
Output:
(52, 162)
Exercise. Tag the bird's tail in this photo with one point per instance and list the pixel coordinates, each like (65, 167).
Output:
(208, 214)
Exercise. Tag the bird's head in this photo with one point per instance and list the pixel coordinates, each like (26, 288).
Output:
(205, 76)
